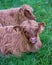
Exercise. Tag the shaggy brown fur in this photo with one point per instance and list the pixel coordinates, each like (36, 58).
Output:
(12, 41)
(23, 38)
(14, 16)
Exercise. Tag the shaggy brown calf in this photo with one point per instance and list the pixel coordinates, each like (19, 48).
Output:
(15, 16)
(32, 29)
(23, 38)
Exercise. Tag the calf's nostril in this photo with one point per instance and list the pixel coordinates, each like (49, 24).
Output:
(33, 40)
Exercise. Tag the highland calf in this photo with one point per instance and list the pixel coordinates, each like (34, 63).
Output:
(15, 16)
(23, 38)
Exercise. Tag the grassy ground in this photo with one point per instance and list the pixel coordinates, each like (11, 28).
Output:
(43, 12)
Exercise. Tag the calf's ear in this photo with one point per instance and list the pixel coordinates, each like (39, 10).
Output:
(29, 15)
(41, 26)
(16, 27)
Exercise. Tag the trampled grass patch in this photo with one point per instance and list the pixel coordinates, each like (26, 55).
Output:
(43, 12)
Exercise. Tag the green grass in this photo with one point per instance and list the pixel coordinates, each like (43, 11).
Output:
(43, 12)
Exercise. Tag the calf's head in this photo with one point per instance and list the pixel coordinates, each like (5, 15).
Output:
(32, 29)
(26, 13)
